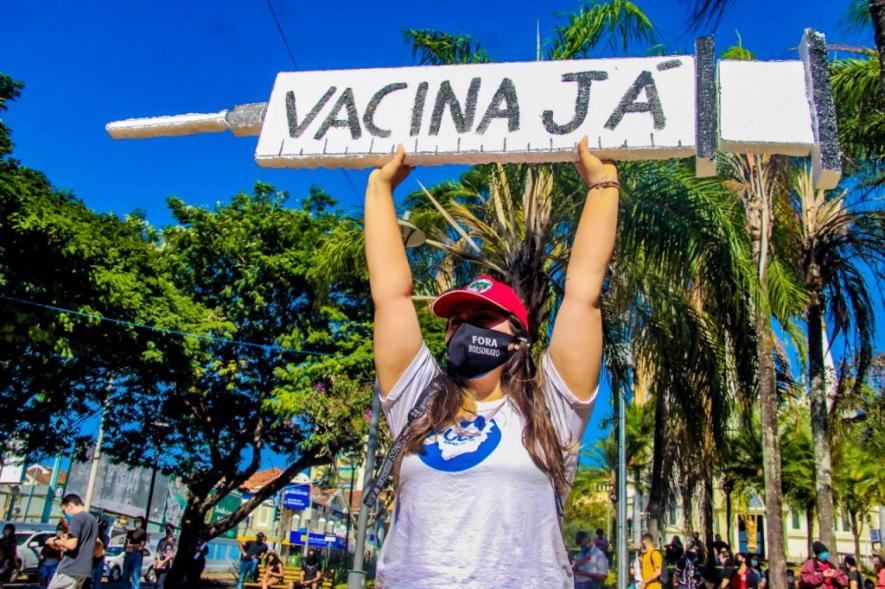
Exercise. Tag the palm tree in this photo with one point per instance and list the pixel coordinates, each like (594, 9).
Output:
(797, 467)
(860, 109)
(759, 181)
(836, 240)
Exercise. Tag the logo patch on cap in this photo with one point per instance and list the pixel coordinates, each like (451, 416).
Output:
(479, 286)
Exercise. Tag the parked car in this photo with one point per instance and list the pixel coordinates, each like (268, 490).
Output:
(29, 544)
(113, 564)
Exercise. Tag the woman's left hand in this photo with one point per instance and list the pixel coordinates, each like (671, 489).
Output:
(591, 168)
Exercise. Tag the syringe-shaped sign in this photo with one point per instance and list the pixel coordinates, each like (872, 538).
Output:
(631, 108)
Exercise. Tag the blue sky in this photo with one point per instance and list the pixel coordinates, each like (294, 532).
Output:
(87, 63)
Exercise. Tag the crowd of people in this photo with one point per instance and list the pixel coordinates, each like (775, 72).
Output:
(75, 557)
(253, 552)
(682, 566)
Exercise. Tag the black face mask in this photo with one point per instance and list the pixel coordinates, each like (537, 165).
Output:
(474, 351)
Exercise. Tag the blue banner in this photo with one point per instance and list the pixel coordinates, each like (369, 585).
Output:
(296, 497)
(296, 538)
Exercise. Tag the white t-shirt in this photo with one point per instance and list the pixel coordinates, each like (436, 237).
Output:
(596, 564)
(473, 511)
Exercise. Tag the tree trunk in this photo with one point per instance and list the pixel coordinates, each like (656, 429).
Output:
(771, 461)
(729, 517)
(637, 507)
(707, 515)
(192, 524)
(809, 522)
(820, 435)
(758, 207)
(855, 531)
(877, 12)
(659, 481)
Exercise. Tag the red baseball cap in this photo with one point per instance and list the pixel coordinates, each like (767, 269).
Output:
(483, 289)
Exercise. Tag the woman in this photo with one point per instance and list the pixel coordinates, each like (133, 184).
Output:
(673, 551)
(136, 539)
(8, 554)
(851, 570)
(490, 458)
(273, 573)
(742, 576)
(50, 556)
(100, 554)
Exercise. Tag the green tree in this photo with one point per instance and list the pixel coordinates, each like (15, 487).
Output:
(286, 373)
(760, 182)
(836, 239)
(74, 284)
(798, 466)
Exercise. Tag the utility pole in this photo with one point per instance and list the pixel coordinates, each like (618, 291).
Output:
(96, 458)
(50, 491)
(356, 577)
(96, 455)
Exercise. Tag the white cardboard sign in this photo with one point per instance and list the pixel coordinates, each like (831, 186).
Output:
(536, 111)
(630, 108)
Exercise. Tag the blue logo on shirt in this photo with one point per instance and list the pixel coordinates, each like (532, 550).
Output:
(458, 449)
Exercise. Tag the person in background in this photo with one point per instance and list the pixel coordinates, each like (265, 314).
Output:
(75, 567)
(50, 557)
(673, 551)
(8, 554)
(719, 544)
(849, 565)
(310, 571)
(756, 565)
(652, 564)
(601, 542)
(273, 574)
(817, 571)
(684, 575)
(879, 567)
(136, 540)
(197, 563)
(98, 561)
(250, 553)
(167, 547)
(591, 565)
(792, 581)
(698, 545)
(740, 575)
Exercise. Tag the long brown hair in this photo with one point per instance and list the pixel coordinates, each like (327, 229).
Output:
(520, 382)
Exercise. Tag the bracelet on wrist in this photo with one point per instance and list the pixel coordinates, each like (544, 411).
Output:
(604, 184)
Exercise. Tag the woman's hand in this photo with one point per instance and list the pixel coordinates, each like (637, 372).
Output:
(591, 168)
(393, 172)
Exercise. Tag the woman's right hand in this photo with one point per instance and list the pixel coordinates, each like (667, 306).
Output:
(393, 172)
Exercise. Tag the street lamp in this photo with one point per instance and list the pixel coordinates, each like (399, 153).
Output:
(412, 237)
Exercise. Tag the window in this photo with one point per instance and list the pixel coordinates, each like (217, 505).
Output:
(672, 514)
(846, 523)
(264, 514)
(797, 522)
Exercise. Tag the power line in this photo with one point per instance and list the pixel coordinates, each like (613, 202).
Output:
(200, 336)
(285, 40)
(273, 13)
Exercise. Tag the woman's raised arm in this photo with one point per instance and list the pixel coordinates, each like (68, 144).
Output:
(576, 345)
(397, 331)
